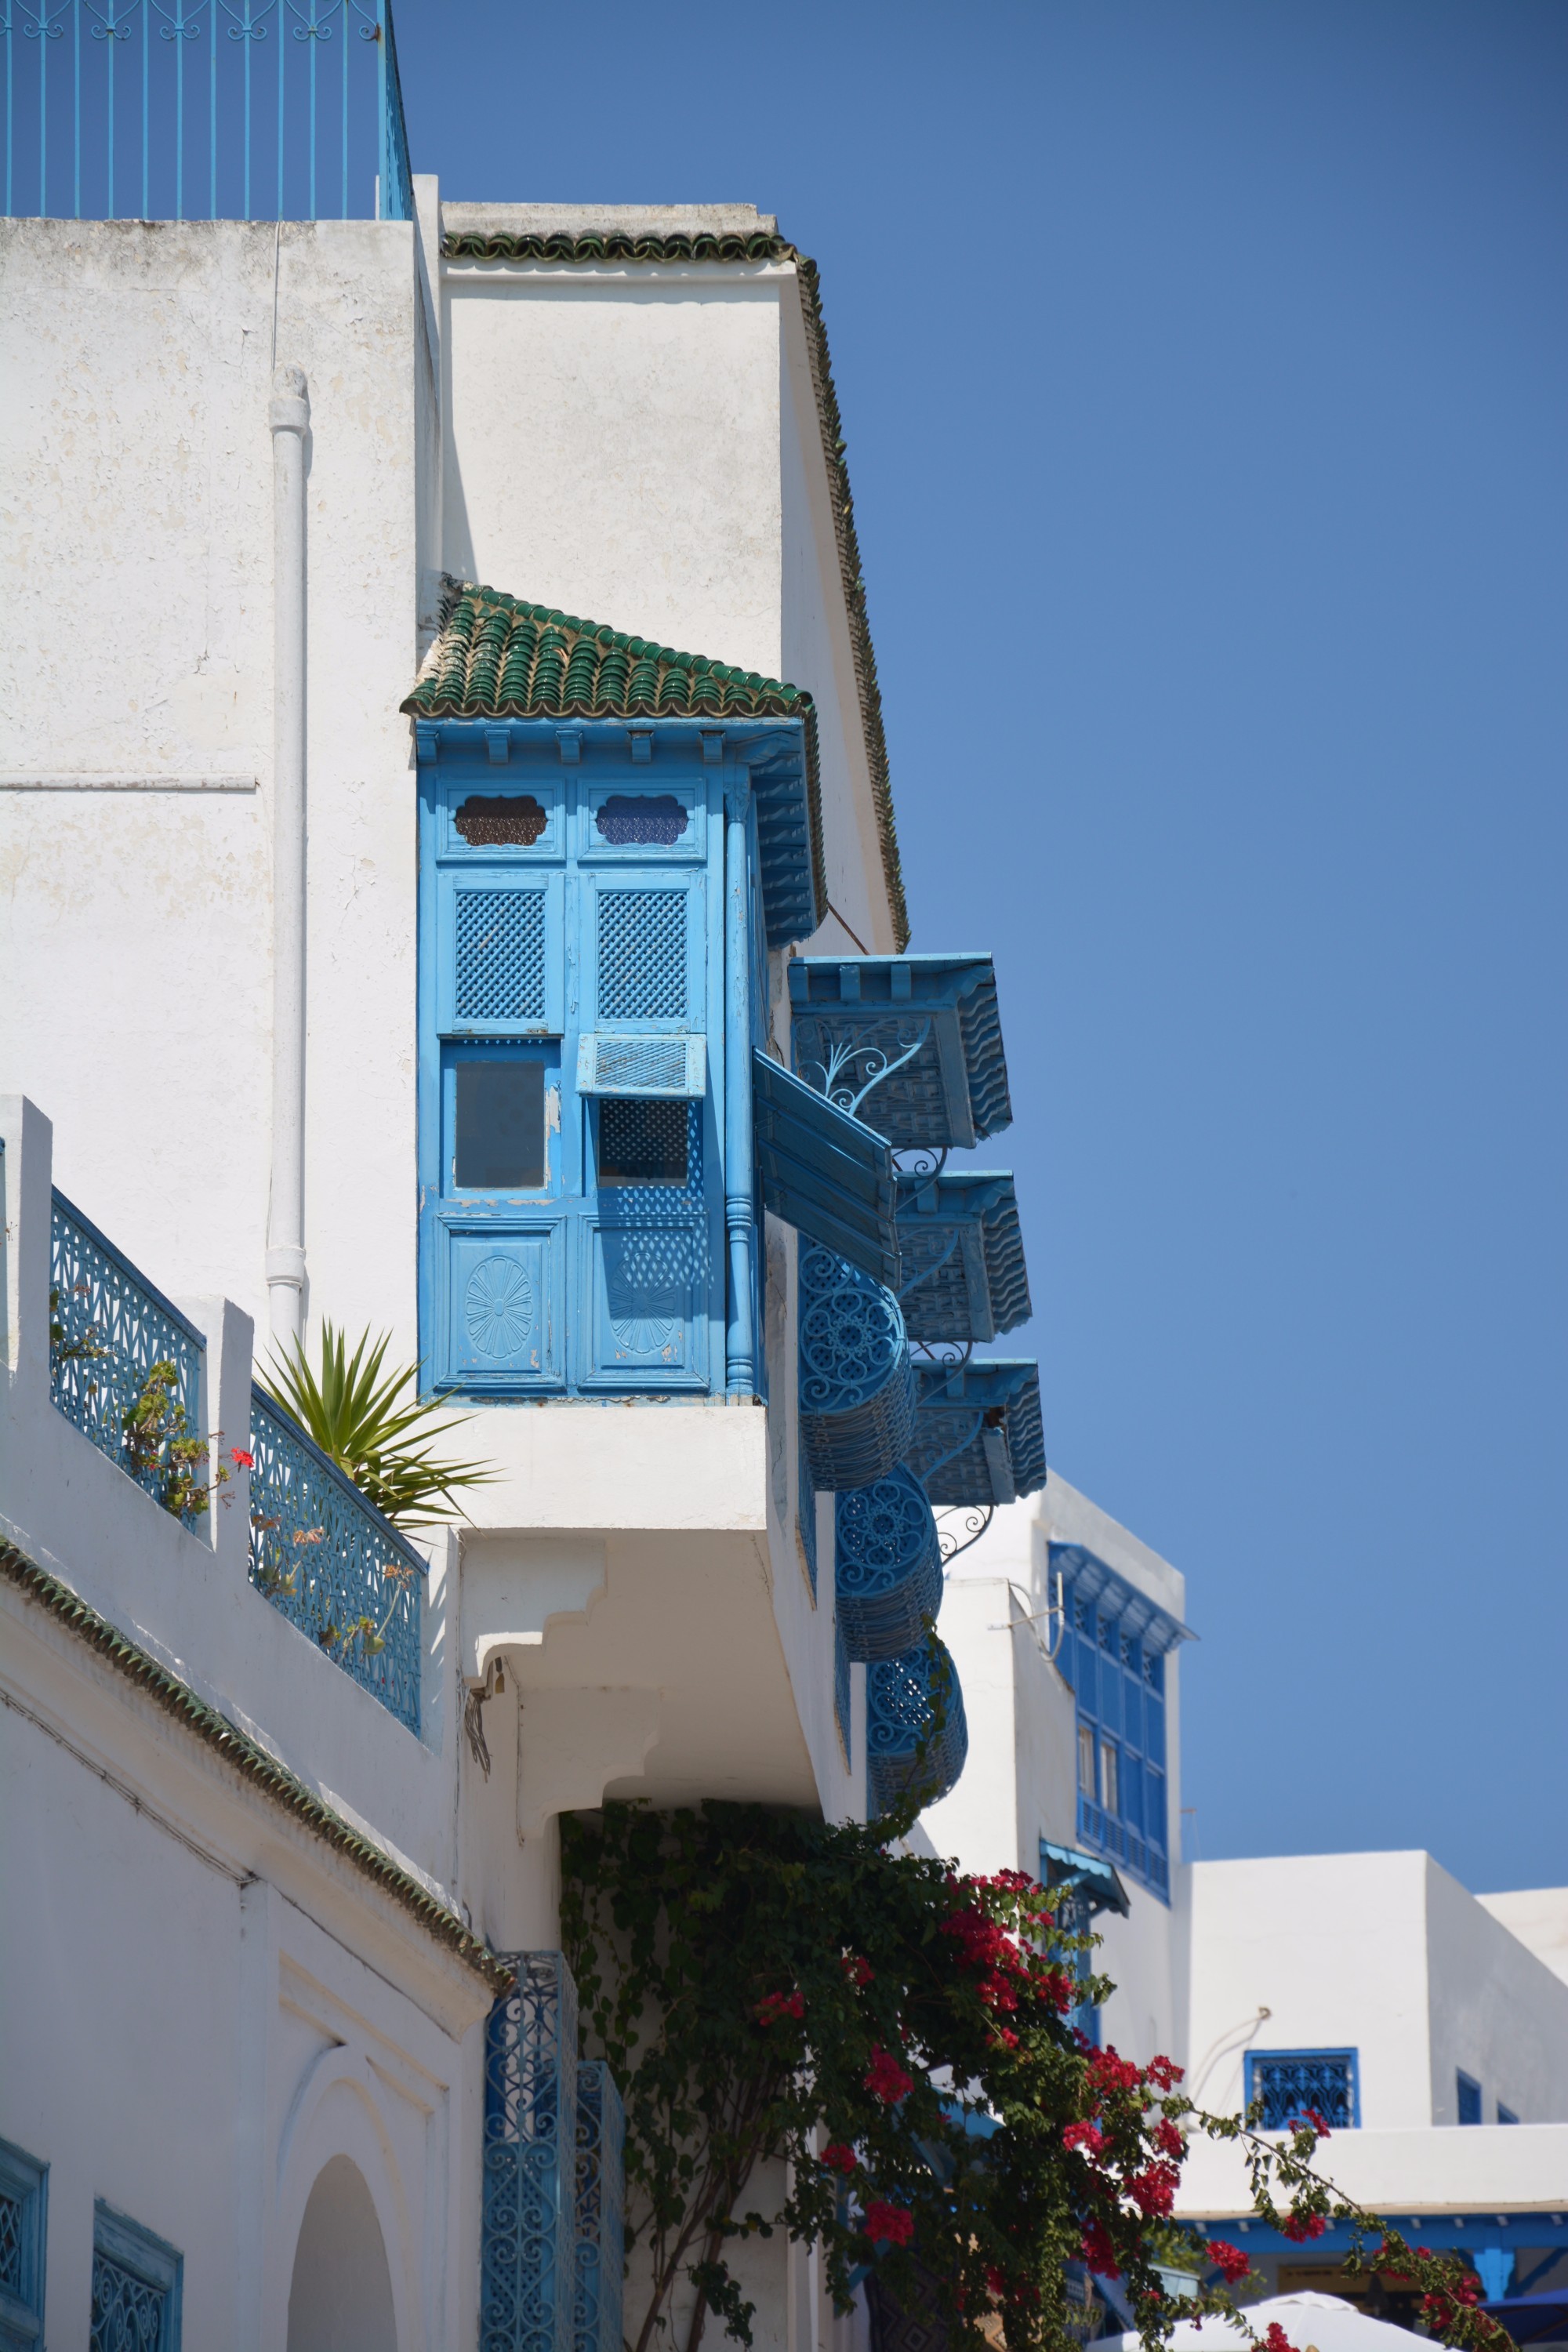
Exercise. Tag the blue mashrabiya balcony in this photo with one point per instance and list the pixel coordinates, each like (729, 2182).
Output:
(960, 1256)
(911, 1044)
(612, 835)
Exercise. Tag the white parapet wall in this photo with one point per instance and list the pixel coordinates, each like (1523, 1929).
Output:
(1513, 2168)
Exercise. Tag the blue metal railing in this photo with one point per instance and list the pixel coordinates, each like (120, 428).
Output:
(528, 2274)
(207, 109)
(108, 1330)
(326, 1558)
(600, 2221)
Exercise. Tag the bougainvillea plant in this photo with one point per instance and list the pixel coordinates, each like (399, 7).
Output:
(768, 1986)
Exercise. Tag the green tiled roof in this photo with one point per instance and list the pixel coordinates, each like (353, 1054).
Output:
(587, 249)
(251, 1761)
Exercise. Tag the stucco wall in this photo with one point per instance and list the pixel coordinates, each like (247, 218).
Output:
(1496, 2010)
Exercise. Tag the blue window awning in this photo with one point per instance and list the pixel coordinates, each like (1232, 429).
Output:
(1092, 1581)
(961, 1249)
(978, 1434)
(911, 1044)
(825, 1173)
(1086, 1874)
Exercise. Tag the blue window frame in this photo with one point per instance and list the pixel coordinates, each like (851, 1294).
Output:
(572, 1045)
(1113, 1654)
(24, 2237)
(1286, 2083)
(136, 2282)
(1505, 2114)
(1468, 2094)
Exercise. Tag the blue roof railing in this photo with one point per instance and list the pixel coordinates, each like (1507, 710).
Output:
(203, 110)
(911, 1044)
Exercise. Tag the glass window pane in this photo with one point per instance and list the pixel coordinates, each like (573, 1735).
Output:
(1109, 1795)
(500, 1125)
(642, 1142)
(1086, 1759)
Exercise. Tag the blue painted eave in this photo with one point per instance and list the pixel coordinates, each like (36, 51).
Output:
(951, 1092)
(1091, 1576)
(978, 1432)
(962, 1248)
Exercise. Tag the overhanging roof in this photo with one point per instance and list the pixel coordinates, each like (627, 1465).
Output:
(1063, 1865)
(978, 1434)
(1094, 1580)
(823, 1172)
(496, 657)
(962, 1250)
(911, 1045)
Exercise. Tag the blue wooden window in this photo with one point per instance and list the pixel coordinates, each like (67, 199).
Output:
(1288, 2082)
(1468, 2096)
(24, 2237)
(572, 1072)
(1505, 2114)
(136, 2281)
(1118, 1677)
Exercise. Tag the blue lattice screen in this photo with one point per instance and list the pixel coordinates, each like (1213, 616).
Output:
(500, 955)
(528, 2272)
(136, 2287)
(600, 2209)
(1288, 2082)
(642, 955)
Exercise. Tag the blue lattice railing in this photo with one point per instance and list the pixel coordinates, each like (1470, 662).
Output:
(856, 1384)
(901, 1720)
(221, 110)
(887, 1573)
(108, 1329)
(601, 2211)
(528, 2257)
(336, 1568)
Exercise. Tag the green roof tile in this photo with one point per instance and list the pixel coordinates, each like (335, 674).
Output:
(588, 250)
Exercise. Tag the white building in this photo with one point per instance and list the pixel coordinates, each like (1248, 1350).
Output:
(1372, 1986)
(391, 949)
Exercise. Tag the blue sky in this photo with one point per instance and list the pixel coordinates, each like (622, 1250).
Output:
(1204, 367)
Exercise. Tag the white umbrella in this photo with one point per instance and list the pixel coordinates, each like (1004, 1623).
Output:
(1325, 2321)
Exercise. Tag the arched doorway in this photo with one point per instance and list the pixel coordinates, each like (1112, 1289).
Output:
(341, 2296)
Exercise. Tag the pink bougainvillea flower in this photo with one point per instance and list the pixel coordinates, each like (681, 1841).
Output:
(1298, 2227)
(775, 2005)
(886, 2079)
(859, 1971)
(1276, 2340)
(1229, 2261)
(891, 2225)
(1085, 2135)
(838, 2156)
(1098, 2253)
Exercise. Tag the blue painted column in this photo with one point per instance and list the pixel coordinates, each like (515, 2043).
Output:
(740, 1206)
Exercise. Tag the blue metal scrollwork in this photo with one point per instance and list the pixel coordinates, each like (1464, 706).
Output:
(600, 2211)
(903, 1698)
(528, 2251)
(888, 1565)
(857, 1385)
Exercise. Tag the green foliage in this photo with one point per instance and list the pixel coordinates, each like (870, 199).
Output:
(376, 1428)
(158, 1446)
(765, 1985)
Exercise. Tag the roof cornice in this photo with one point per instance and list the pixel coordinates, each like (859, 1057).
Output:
(585, 249)
(251, 1761)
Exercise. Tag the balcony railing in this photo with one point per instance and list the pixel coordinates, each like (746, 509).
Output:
(215, 110)
(111, 1335)
(327, 1558)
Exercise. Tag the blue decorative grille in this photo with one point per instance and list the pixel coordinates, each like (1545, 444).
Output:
(887, 1565)
(500, 955)
(901, 1716)
(856, 1384)
(528, 2269)
(107, 1329)
(188, 110)
(806, 1516)
(600, 2214)
(23, 2194)
(642, 955)
(11, 2243)
(334, 1566)
(136, 2281)
(1288, 2082)
(654, 819)
(841, 1698)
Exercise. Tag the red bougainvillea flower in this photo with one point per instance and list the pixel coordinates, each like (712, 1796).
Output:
(886, 2079)
(996, 2283)
(1099, 2254)
(1169, 2140)
(1164, 2074)
(240, 1458)
(859, 1971)
(891, 2225)
(1319, 2126)
(1276, 2340)
(1084, 2135)
(838, 2156)
(1228, 2260)
(775, 2005)
(1153, 2190)
(1004, 2037)
(1108, 2071)
(1299, 2227)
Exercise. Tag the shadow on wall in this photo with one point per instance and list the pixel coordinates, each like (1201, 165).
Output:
(341, 2298)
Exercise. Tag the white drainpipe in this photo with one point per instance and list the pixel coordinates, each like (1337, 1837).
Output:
(289, 417)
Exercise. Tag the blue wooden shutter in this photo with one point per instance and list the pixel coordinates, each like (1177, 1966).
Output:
(825, 1173)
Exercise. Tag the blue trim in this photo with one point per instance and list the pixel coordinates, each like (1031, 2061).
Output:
(1349, 2116)
(126, 2246)
(1462, 2232)
(1469, 2106)
(25, 2183)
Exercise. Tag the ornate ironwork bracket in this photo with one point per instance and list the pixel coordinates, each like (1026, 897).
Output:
(961, 1525)
(851, 1072)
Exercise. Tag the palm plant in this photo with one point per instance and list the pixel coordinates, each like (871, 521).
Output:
(375, 1426)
